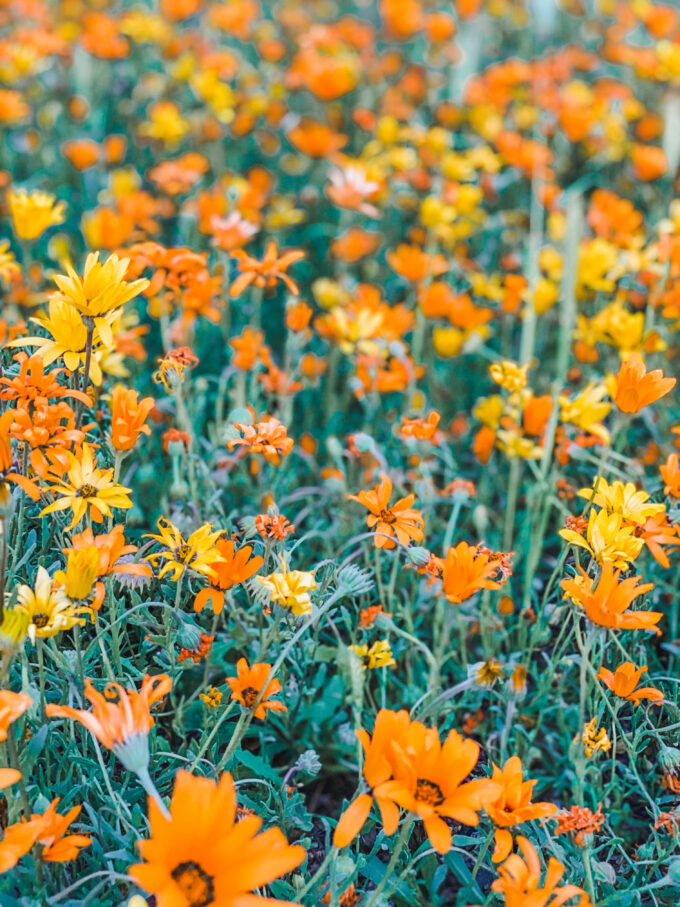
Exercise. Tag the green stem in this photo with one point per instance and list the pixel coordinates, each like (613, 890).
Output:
(402, 840)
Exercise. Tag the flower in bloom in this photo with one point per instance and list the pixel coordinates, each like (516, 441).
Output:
(513, 805)
(87, 489)
(290, 589)
(197, 552)
(8, 264)
(253, 688)
(520, 881)
(212, 698)
(101, 290)
(632, 504)
(390, 521)
(12, 706)
(265, 273)
(128, 417)
(378, 655)
(594, 739)
(636, 387)
(200, 855)
(510, 376)
(82, 569)
(607, 604)
(608, 539)
(587, 410)
(423, 429)
(48, 609)
(121, 726)
(234, 567)
(670, 473)
(112, 553)
(268, 437)
(624, 683)
(273, 526)
(33, 212)
(46, 829)
(467, 570)
(581, 820)
(8, 474)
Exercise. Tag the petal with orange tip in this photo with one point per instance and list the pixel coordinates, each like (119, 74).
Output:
(352, 820)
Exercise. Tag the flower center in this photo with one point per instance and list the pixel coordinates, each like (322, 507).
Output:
(195, 884)
(387, 516)
(428, 792)
(184, 553)
(86, 491)
(41, 620)
(250, 696)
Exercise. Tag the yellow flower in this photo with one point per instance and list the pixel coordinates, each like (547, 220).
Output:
(68, 338)
(32, 213)
(8, 264)
(379, 655)
(87, 487)
(486, 673)
(607, 539)
(509, 375)
(545, 295)
(101, 291)
(165, 123)
(596, 259)
(626, 500)
(82, 569)
(587, 410)
(290, 589)
(49, 610)
(594, 740)
(447, 341)
(197, 552)
(13, 630)
(489, 410)
(212, 698)
(513, 444)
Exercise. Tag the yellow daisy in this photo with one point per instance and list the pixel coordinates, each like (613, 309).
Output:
(32, 213)
(197, 552)
(290, 589)
(48, 609)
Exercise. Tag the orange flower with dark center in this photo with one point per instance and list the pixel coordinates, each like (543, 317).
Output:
(34, 386)
(267, 272)
(233, 567)
(254, 690)
(268, 437)
(624, 681)
(128, 417)
(635, 387)
(467, 570)
(520, 881)
(607, 604)
(200, 853)
(390, 521)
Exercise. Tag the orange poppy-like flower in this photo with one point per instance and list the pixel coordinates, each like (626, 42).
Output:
(430, 777)
(81, 153)
(33, 386)
(268, 437)
(513, 805)
(128, 417)
(113, 556)
(233, 567)
(467, 570)
(265, 273)
(607, 605)
(316, 139)
(273, 526)
(670, 473)
(624, 680)
(657, 532)
(635, 387)
(121, 726)
(581, 820)
(202, 853)
(253, 689)
(520, 881)
(402, 18)
(58, 847)
(390, 727)
(414, 264)
(424, 429)
(390, 521)
(12, 706)
(354, 244)
(248, 348)
(102, 38)
(649, 162)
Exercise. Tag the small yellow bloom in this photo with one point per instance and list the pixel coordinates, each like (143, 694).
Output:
(379, 655)
(8, 263)
(212, 698)
(48, 609)
(32, 213)
(165, 123)
(290, 589)
(595, 740)
(587, 410)
(197, 552)
(632, 504)
(82, 570)
(486, 673)
(509, 375)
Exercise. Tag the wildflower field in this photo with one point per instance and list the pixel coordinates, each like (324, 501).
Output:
(339, 453)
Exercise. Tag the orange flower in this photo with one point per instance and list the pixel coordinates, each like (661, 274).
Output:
(234, 567)
(7, 473)
(466, 571)
(253, 689)
(57, 847)
(128, 417)
(275, 526)
(414, 264)
(265, 273)
(81, 153)
(316, 139)
(423, 429)
(430, 778)
(513, 804)
(520, 881)
(670, 473)
(607, 605)
(354, 244)
(113, 556)
(12, 706)
(121, 726)
(635, 387)
(390, 727)
(268, 437)
(581, 820)
(247, 349)
(624, 680)
(390, 521)
(649, 162)
(656, 532)
(201, 854)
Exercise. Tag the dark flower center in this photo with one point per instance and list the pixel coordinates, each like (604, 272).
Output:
(387, 516)
(428, 792)
(250, 696)
(184, 553)
(41, 620)
(195, 884)
(86, 491)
